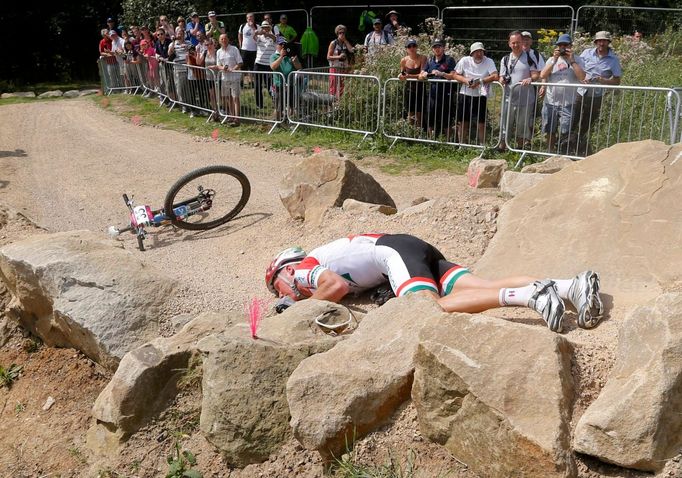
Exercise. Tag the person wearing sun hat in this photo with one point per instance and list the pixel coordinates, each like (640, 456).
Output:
(377, 38)
(475, 72)
(602, 67)
(557, 110)
(393, 23)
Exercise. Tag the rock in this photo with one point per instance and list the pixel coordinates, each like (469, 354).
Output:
(244, 409)
(322, 181)
(419, 200)
(419, 208)
(486, 173)
(496, 394)
(550, 165)
(350, 390)
(147, 377)
(636, 422)
(51, 94)
(71, 94)
(48, 403)
(299, 150)
(89, 92)
(352, 205)
(514, 183)
(75, 289)
(19, 94)
(611, 212)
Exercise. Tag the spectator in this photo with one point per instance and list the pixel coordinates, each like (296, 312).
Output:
(602, 67)
(637, 35)
(135, 33)
(375, 39)
(146, 35)
(196, 76)
(265, 48)
(177, 51)
(201, 41)
(339, 56)
(214, 28)
(475, 72)
(110, 62)
(112, 25)
(131, 61)
(162, 44)
(518, 68)
(536, 56)
(194, 27)
(247, 42)
(440, 93)
(557, 109)
(167, 27)
(148, 52)
(118, 49)
(185, 34)
(268, 18)
(281, 63)
(411, 66)
(210, 62)
(284, 29)
(393, 23)
(230, 60)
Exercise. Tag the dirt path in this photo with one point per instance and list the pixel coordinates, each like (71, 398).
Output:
(79, 159)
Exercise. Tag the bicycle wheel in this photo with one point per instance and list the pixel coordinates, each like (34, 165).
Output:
(207, 197)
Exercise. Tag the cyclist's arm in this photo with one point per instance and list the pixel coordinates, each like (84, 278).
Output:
(331, 287)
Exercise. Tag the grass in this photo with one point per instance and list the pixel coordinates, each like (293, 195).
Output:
(403, 157)
(9, 375)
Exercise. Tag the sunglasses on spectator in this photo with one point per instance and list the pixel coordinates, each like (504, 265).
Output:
(412, 46)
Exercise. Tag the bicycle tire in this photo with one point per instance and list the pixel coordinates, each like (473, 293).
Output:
(172, 201)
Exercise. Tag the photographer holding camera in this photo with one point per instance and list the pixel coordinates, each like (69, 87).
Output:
(284, 61)
(557, 110)
(339, 55)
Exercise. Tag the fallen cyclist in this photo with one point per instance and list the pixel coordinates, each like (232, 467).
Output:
(361, 262)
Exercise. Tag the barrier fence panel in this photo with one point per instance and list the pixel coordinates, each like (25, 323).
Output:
(579, 120)
(115, 75)
(335, 101)
(625, 20)
(251, 96)
(441, 111)
(492, 24)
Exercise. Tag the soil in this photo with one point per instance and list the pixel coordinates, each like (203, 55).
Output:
(64, 165)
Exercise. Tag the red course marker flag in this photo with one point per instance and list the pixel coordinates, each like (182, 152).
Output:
(136, 120)
(215, 134)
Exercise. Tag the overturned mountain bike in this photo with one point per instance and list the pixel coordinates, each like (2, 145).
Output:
(202, 199)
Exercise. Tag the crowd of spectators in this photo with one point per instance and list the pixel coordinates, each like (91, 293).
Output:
(194, 47)
(439, 108)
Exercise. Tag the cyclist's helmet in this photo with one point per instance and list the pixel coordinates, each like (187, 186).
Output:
(287, 256)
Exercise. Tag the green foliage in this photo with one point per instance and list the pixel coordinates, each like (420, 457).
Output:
(19, 407)
(192, 375)
(180, 464)
(349, 467)
(9, 375)
(141, 12)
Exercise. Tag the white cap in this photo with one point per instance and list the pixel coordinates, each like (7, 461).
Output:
(476, 46)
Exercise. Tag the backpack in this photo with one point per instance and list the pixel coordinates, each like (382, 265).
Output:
(366, 20)
(531, 62)
(534, 53)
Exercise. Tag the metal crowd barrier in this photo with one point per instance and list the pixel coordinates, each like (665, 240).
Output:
(118, 76)
(260, 97)
(337, 101)
(623, 20)
(437, 111)
(580, 119)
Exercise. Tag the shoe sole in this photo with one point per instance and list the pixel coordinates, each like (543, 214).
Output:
(555, 315)
(591, 315)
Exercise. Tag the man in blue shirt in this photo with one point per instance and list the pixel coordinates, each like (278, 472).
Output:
(602, 67)
(193, 27)
(440, 109)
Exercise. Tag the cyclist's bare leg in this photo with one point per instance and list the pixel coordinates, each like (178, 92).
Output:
(474, 294)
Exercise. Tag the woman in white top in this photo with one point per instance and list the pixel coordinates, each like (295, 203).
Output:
(338, 54)
(179, 50)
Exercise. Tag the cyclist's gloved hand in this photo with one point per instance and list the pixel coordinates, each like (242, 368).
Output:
(284, 303)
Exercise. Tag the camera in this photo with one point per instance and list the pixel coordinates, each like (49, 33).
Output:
(507, 79)
(562, 51)
(474, 81)
(291, 49)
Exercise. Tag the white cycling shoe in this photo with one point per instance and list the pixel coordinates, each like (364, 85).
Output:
(547, 302)
(584, 295)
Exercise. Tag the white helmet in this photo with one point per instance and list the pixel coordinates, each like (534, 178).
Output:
(287, 256)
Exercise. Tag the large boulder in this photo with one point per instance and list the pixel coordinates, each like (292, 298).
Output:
(613, 212)
(497, 395)
(147, 377)
(636, 421)
(76, 289)
(19, 94)
(324, 181)
(514, 183)
(352, 389)
(486, 173)
(244, 409)
(51, 94)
